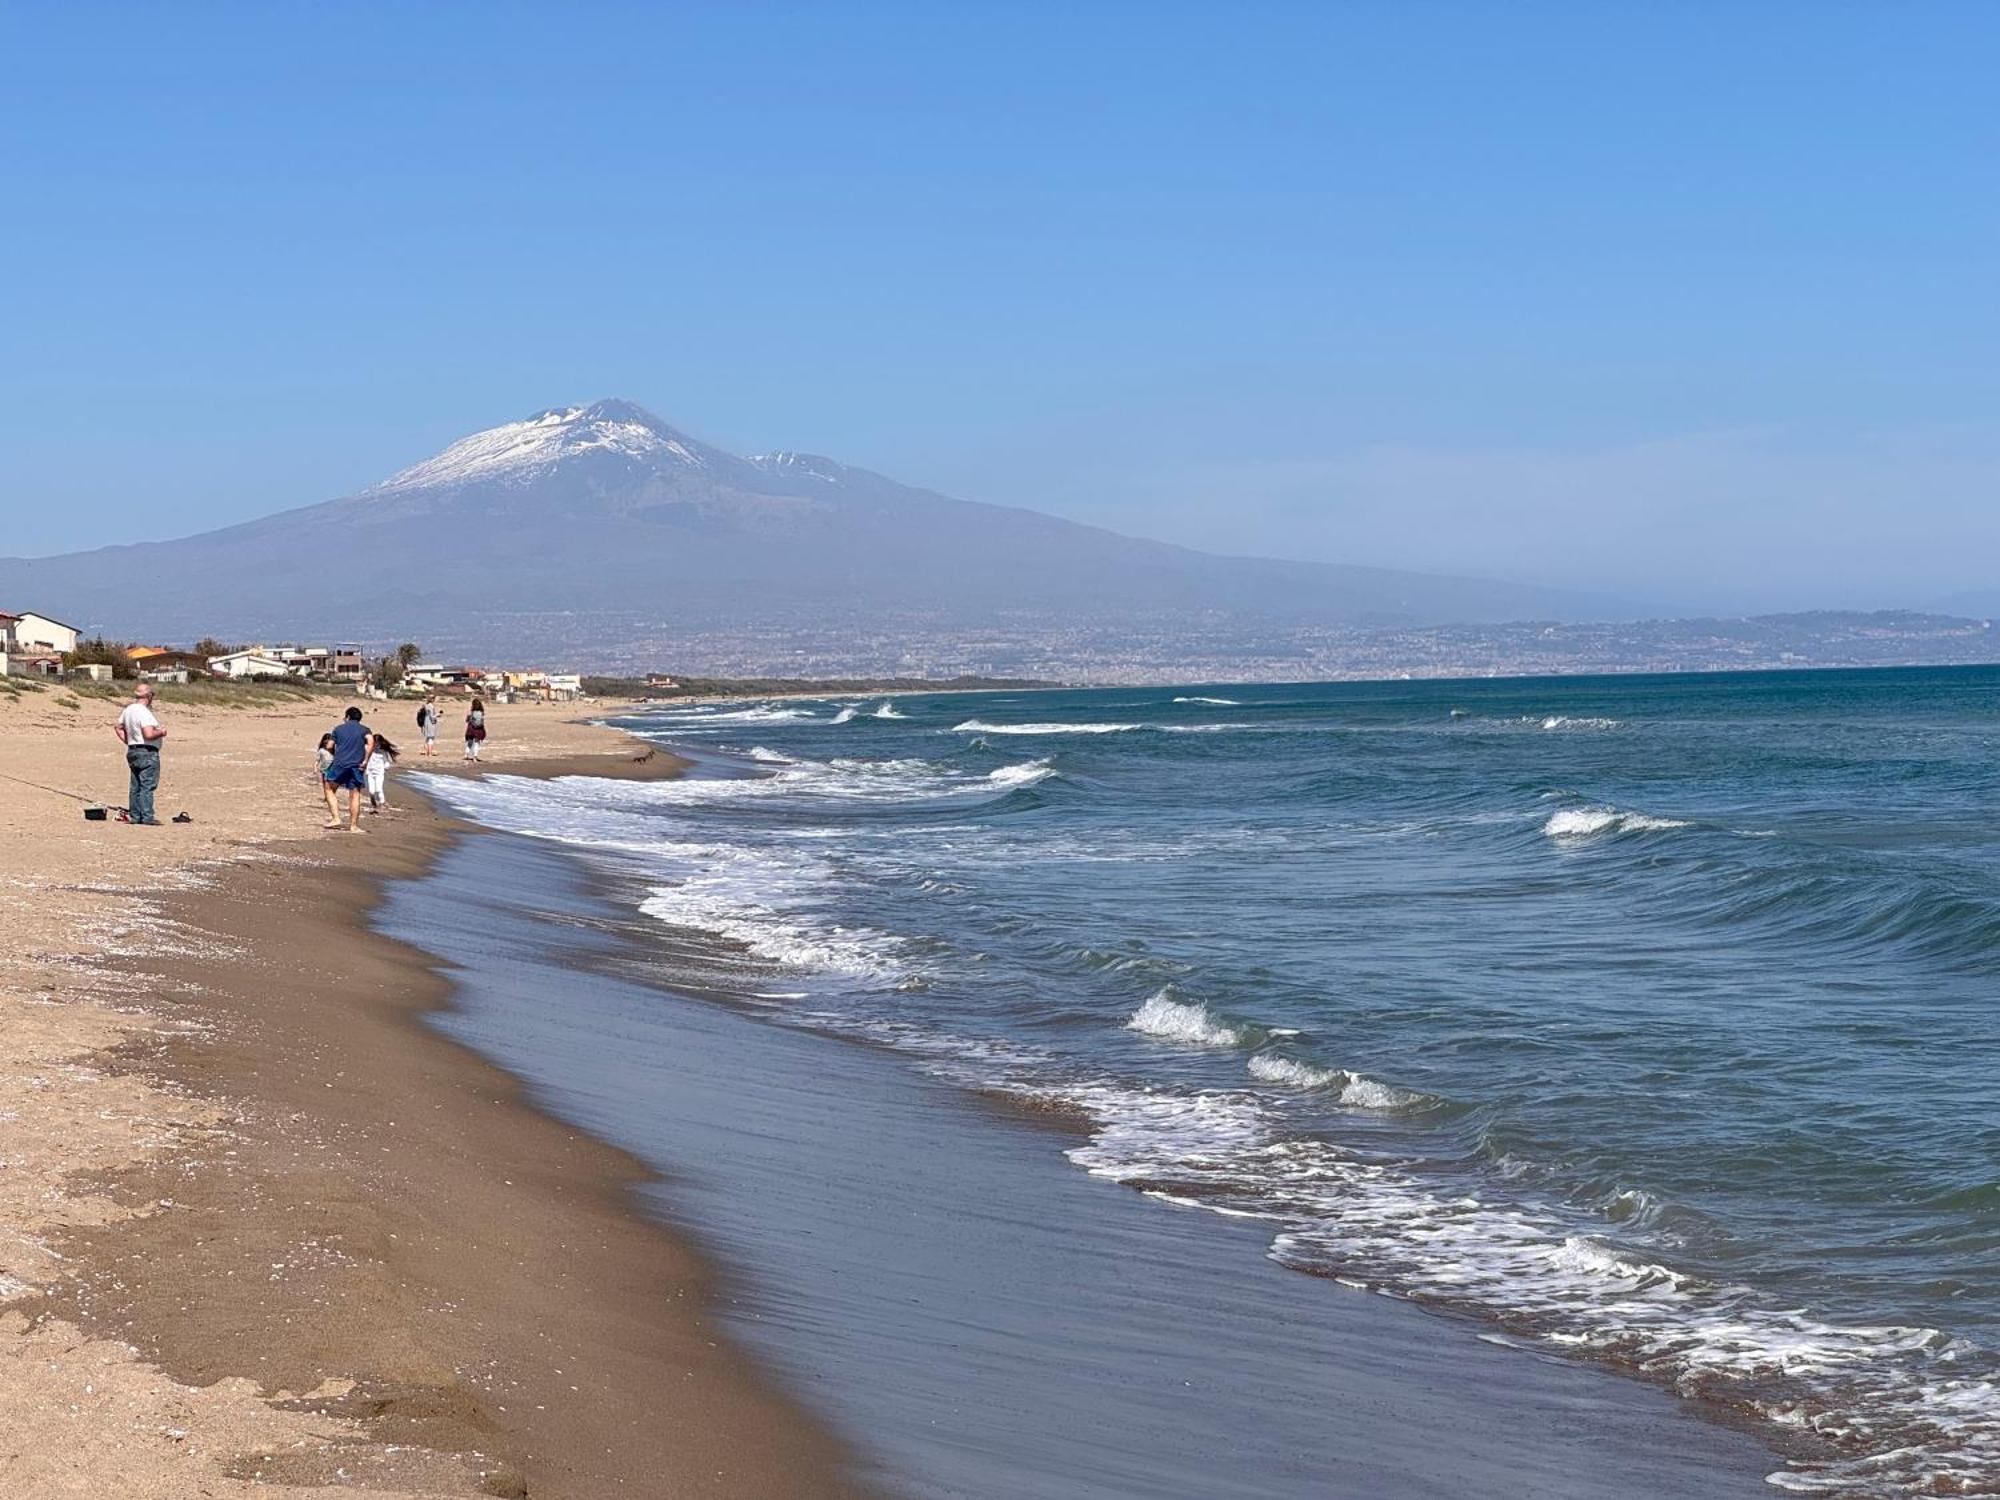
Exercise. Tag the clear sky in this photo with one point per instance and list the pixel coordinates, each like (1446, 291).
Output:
(1696, 301)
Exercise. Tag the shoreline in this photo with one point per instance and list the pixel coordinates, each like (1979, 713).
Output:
(361, 1239)
(1064, 1287)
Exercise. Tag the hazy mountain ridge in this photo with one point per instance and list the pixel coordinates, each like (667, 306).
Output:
(606, 510)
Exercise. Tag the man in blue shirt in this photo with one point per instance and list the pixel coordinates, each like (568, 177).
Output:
(352, 742)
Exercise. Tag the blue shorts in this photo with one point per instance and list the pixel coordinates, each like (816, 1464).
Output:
(347, 776)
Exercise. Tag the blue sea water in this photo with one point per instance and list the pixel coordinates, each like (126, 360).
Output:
(1647, 1021)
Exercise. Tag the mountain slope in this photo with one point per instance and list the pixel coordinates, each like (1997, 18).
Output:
(605, 512)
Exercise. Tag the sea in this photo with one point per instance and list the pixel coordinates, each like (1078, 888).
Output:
(1629, 1042)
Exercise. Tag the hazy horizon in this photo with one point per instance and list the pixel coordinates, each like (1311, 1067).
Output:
(1600, 302)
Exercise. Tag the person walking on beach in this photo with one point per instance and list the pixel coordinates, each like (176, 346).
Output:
(353, 742)
(140, 732)
(379, 760)
(427, 721)
(475, 729)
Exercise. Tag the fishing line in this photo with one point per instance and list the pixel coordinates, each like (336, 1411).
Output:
(73, 796)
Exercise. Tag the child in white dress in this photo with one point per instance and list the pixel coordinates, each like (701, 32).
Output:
(377, 773)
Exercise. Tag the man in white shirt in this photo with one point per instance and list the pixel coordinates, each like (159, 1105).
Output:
(139, 730)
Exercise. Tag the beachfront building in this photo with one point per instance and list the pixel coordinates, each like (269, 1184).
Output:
(551, 687)
(340, 663)
(20, 659)
(256, 663)
(165, 664)
(434, 676)
(32, 631)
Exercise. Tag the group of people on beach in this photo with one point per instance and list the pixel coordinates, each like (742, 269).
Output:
(356, 759)
(352, 757)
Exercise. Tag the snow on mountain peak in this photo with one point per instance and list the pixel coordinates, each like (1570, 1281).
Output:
(811, 465)
(516, 452)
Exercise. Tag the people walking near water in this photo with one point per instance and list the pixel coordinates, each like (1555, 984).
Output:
(428, 718)
(140, 731)
(353, 742)
(475, 729)
(379, 760)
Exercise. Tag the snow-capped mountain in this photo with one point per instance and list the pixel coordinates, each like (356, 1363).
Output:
(605, 513)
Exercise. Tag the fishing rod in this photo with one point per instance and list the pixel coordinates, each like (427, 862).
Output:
(73, 796)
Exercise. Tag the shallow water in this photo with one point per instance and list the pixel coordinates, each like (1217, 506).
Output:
(982, 1320)
(1645, 1021)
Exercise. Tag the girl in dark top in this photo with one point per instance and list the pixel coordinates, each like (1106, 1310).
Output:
(475, 729)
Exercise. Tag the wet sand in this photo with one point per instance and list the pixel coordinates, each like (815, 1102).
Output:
(309, 1240)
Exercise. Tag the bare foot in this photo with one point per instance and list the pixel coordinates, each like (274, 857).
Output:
(356, 828)
(330, 827)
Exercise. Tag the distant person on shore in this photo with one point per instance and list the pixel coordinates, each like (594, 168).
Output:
(475, 729)
(379, 760)
(353, 742)
(140, 732)
(428, 718)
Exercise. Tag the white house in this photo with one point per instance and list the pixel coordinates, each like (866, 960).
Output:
(250, 664)
(31, 629)
(18, 658)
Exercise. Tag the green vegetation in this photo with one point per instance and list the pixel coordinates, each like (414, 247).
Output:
(221, 692)
(98, 652)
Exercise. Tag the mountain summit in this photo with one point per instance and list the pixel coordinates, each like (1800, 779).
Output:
(521, 452)
(600, 535)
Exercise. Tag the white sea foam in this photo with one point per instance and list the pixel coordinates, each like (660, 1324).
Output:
(846, 715)
(1367, 1093)
(979, 726)
(1026, 773)
(1588, 822)
(1218, 702)
(1890, 1394)
(1352, 1089)
(1563, 721)
(737, 904)
(1187, 1021)
(887, 710)
(761, 714)
(1273, 1067)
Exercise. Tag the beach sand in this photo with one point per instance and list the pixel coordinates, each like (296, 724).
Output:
(259, 1231)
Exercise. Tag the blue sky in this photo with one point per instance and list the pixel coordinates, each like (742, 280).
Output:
(1696, 301)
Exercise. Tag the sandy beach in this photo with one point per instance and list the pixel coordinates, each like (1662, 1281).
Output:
(262, 1232)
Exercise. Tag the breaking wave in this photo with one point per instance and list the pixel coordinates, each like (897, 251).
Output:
(1026, 773)
(980, 726)
(1353, 1089)
(1589, 822)
(1189, 1021)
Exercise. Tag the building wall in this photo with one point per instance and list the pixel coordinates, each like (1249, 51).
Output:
(39, 630)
